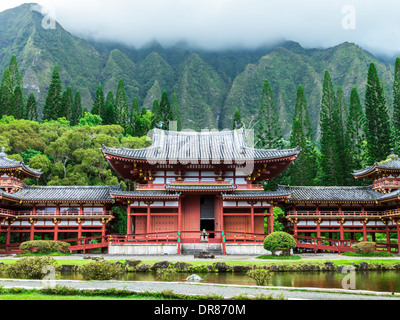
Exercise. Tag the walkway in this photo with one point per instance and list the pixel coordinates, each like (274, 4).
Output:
(227, 291)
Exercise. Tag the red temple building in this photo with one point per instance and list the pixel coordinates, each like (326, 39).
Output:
(28, 213)
(343, 212)
(187, 182)
(190, 181)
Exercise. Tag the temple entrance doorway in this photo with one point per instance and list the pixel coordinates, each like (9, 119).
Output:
(207, 218)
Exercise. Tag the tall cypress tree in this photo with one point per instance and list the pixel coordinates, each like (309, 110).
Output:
(76, 109)
(237, 120)
(377, 124)
(31, 112)
(165, 111)
(99, 104)
(66, 105)
(6, 93)
(121, 105)
(16, 77)
(157, 114)
(18, 106)
(269, 131)
(355, 133)
(109, 117)
(304, 169)
(54, 96)
(396, 106)
(332, 166)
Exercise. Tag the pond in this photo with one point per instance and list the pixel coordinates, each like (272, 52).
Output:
(382, 281)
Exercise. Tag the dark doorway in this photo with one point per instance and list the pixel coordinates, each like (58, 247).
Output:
(207, 214)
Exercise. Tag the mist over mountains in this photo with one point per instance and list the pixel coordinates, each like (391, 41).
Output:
(210, 84)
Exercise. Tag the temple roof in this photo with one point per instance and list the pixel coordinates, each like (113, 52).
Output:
(195, 147)
(322, 194)
(67, 194)
(145, 194)
(391, 163)
(8, 164)
(256, 194)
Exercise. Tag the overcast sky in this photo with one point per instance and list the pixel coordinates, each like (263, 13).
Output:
(374, 25)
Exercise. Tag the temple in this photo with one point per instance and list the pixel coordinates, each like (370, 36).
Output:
(187, 182)
(190, 181)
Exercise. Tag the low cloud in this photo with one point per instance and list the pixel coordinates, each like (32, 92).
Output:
(216, 24)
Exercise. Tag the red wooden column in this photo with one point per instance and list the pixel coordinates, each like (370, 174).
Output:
(271, 219)
(365, 229)
(129, 220)
(148, 218)
(179, 224)
(79, 228)
(341, 230)
(318, 231)
(32, 231)
(55, 230)
(8, 234)
(252, 217)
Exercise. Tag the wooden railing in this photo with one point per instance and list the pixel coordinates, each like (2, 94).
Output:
(63, 213)
(7, 212)
(336, 213)
(386, 183)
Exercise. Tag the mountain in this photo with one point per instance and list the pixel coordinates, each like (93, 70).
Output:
(209, 85)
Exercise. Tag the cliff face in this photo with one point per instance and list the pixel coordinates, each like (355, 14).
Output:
(209, 85)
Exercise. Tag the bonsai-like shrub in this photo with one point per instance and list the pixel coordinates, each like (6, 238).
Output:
(44, 246)
(166, 274)
(260, 276)
(279, 241)
(30, 268)
(101, 270)
(364, 247)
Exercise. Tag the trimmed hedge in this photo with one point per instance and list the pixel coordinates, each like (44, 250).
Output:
(364, 247)
(30, 268)
(101, 270)
(44, 246)
(279, 241)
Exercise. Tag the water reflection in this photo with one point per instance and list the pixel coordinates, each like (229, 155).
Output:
(386, 281)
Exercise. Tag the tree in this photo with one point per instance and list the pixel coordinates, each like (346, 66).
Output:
(109, 117)
(18, 106)
(31, 112)
(6, 92)
(16, 78)
(332, 144)
(99, 104)
(157, 114)
(396, 106)
(304, 169)
(377, 124)
(237, 120)
(354, 132)
(121, 105)
(166, 113)
(53, 100)
(76, 110)
(66, 105)
(268, 132)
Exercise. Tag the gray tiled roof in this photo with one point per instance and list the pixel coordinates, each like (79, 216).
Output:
(331, 193)
(6, 163)
(200, 187)
(390, 195)
(144, 194)
(253, 194)
(392, 164)
(192, 147)
(67, 193)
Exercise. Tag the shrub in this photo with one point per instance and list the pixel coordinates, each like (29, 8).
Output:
(364, 247)
(44, 246)
(279, 241)
(30, 268)
(100, 270)
(166, 274)
(260, 276)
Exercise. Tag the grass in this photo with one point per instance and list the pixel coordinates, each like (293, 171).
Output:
(370, 254)
(271, 257)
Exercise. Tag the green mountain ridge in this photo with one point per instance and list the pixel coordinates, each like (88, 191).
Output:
(209, 85)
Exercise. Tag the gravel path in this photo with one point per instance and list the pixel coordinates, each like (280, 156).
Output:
(227, 291)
